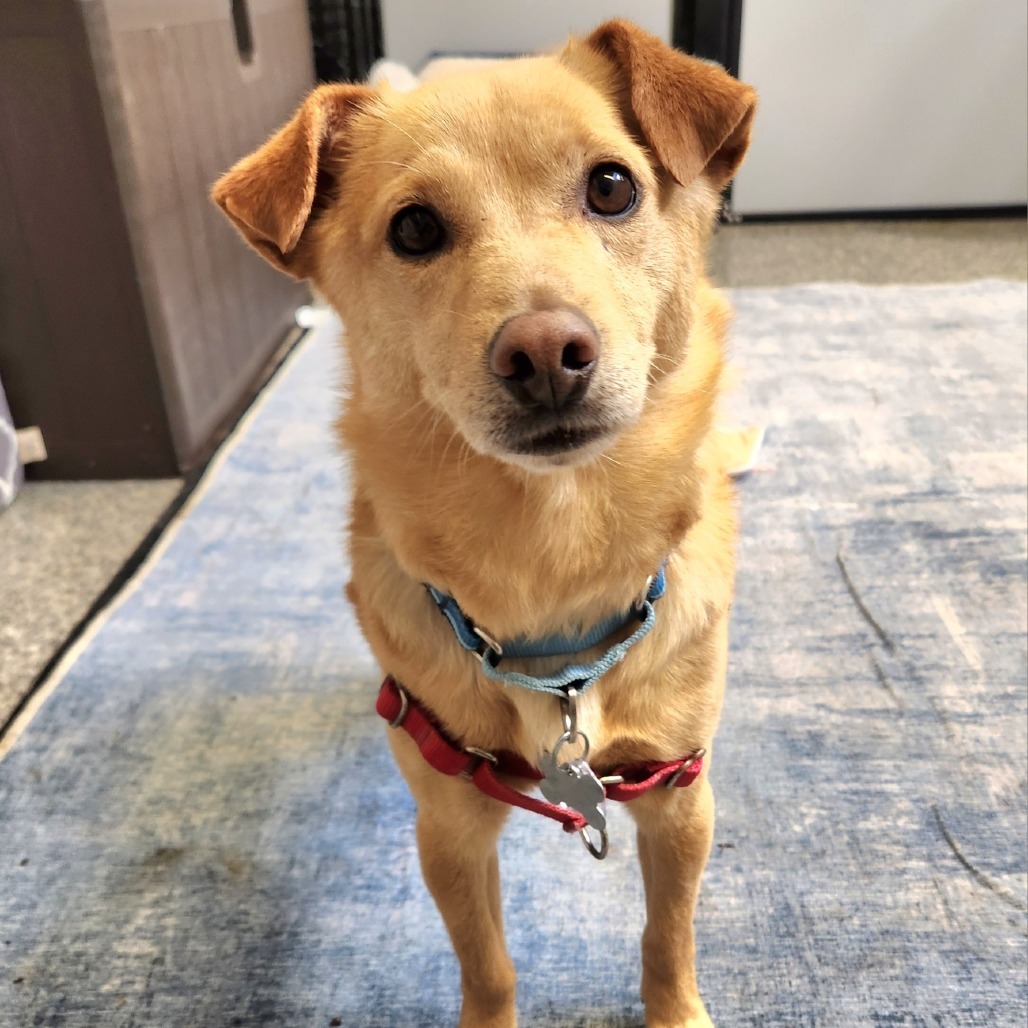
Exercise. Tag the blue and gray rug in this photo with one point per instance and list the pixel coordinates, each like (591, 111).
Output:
(201, 825)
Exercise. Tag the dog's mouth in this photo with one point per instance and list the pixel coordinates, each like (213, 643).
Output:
(556, 440)
(541, 439)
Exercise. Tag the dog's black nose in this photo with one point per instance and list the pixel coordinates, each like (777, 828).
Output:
(545, 358)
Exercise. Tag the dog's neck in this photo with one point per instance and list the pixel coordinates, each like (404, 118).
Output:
(529, 553)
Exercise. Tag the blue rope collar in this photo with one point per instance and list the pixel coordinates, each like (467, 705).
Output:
(577, 676)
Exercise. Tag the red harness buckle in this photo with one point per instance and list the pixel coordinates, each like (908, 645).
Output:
(624, 783)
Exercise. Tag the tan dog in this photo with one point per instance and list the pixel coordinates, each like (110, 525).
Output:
(517, 255)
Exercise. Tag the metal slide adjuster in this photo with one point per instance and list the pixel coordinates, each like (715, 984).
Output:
(404, 706)
(640, 600)
(490, 642)
(673, 780)
(482, 755)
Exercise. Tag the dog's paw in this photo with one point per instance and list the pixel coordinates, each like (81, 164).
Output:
(700, 1020)
(471, 1019)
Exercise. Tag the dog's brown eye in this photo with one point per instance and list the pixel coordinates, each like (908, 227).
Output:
(416, 231)
(611, 190)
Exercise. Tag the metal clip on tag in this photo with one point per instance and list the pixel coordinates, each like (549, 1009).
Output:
(573, 784)
(598, 851)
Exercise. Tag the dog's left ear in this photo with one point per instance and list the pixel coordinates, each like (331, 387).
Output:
(693, 114)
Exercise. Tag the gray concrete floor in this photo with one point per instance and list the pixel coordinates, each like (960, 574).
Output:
(872, 252)
(62, 543)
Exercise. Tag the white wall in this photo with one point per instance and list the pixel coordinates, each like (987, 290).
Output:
(885, 104)
(415, 29)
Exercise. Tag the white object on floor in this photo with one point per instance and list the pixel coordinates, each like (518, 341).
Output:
(31, 448)
(741, 448)
(10, 466)
(310, 316)
(11, 472)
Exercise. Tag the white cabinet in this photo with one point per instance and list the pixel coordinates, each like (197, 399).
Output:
(885, 105)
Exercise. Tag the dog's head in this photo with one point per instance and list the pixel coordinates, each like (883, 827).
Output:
(508, 245)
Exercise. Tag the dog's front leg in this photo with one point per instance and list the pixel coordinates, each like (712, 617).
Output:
(457, 831)
(675, 829)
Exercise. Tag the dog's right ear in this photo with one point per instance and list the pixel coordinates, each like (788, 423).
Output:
(271, 195)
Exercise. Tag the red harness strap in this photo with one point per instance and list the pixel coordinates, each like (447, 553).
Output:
(402, 711)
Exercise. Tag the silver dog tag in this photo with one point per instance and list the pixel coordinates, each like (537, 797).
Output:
(574, 785)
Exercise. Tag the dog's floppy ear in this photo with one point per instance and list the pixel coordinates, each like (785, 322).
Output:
(270, 195)
(693, 114)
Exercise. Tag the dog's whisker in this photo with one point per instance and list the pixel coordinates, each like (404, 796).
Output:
(394, 164)
(459, 314)
(380, 116)
(466, 453)
(437, 421)
(446, 449)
